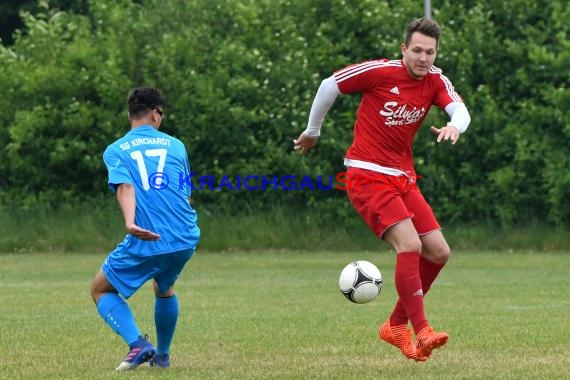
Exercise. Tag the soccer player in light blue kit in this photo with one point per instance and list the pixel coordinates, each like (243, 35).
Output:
(144, 169)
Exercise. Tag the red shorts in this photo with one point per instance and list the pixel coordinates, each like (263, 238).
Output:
(383, 200)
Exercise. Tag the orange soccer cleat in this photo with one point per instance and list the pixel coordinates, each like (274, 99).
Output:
(400, 336)
(428, 340)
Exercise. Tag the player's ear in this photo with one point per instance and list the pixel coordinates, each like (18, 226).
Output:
(129, 116)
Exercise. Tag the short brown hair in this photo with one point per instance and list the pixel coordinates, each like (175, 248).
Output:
(425, 26)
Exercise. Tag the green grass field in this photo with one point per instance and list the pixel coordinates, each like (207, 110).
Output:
(280, 315)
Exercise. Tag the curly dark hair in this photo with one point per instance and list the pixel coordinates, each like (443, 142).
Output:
(424, 26)
(142, 100)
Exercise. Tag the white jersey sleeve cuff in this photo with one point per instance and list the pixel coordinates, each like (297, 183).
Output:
(459, 114)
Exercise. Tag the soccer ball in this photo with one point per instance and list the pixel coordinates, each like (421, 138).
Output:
(360, 281)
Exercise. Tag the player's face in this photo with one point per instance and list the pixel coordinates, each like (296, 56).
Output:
(419, 55)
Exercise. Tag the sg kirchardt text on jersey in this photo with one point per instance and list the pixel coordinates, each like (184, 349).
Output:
(145, 141)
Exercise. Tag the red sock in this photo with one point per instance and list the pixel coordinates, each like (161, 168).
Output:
(409, 287)
(428, 273)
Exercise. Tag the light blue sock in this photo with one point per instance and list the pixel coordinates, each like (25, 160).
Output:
(117, 314)
(165, 317)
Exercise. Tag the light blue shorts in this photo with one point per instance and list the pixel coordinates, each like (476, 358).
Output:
(127, 273)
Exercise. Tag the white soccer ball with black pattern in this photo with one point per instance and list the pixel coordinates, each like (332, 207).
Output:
(360, 281)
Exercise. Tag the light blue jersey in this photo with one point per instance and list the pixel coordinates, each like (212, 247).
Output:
(153, 162)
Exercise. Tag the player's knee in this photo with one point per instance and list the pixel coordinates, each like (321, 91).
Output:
(165, 294)
(95, 293)
(169, 293)
(410, 245)
(441, 254)
(100, 286)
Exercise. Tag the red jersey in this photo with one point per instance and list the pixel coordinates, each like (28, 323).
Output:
(392, 109)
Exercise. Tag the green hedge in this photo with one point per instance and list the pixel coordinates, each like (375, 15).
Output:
(240, 76)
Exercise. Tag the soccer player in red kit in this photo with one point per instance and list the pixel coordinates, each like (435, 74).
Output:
(396, 97)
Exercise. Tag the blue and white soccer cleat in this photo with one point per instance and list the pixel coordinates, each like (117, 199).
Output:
(141, 351)
(160, 360)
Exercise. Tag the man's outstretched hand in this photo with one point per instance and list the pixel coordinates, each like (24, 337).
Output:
(446, 133)
(304, 143)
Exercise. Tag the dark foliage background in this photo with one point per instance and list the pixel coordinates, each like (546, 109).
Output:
(240, 77)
